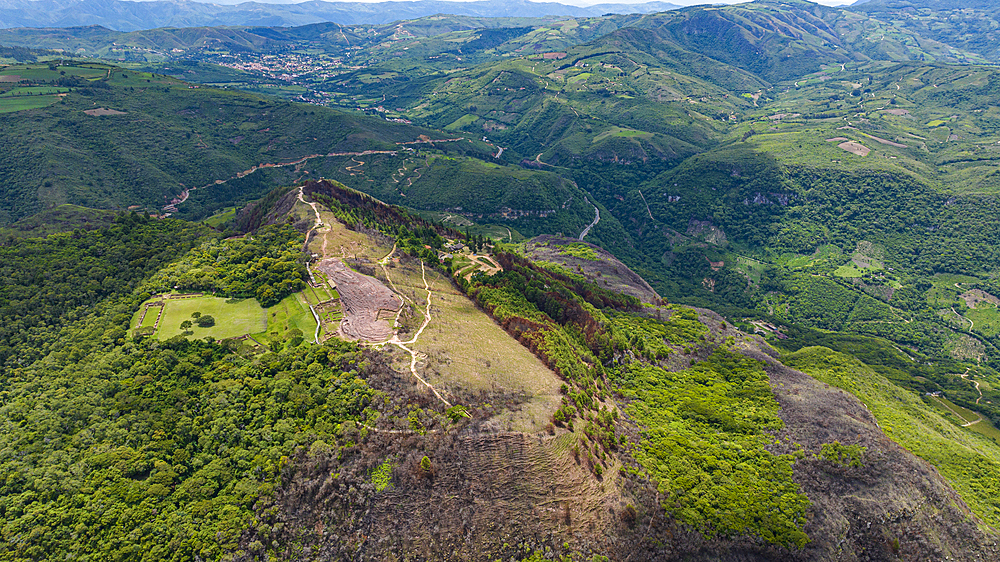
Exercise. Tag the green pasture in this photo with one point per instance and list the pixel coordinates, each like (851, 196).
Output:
(220, 218)
(11, 104)
(42, 72)
(621, 132)
(749, 267)
(849, 270)
(953, 411)
(827, 252)
(462, 121)
(289, 314)
(943, 291)
(34, 91)
(986, 318)
(151, 315)
(964, 415)
(232, 319)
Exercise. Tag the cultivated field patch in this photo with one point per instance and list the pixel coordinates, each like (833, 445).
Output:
(975, 297)
(22, 103)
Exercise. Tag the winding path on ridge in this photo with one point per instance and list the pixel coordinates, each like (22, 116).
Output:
(979, 417)
(971, 323)
(394, 340)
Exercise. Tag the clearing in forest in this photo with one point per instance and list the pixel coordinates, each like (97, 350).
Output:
(452, 347)
(232, 319)
(975, 297)
(854, 148)
(101, 111)
(291, 314)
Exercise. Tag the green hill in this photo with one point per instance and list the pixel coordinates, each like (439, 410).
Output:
(667, 431)
(825, 178)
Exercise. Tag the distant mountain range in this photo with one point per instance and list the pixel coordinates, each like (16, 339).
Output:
(934, 4)
(131, 16)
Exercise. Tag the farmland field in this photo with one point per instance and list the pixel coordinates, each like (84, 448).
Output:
(10, 104)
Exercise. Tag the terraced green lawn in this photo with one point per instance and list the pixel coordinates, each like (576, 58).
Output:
(289, 314)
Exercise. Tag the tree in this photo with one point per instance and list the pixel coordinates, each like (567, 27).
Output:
(185, 324)
(426, 468)
(206, 321)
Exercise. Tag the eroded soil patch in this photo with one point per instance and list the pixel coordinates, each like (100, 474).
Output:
(101, 111)
(854, 148)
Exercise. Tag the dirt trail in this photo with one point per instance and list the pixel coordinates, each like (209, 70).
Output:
(979, 417)
(538, 159)
(644, 203)
(394, 340)
(965, 376)
(971, 323)
(315, 226)
(413, 354)
(358, 164)
(482, 263)
(297, 163)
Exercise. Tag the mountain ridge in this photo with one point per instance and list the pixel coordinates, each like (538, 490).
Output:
(124, 15)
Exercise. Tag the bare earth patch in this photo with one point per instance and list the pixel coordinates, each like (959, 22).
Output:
(101, 111)
(854, 148)
(10, 78)
(365, 300)
(838, 139)
(976, 296)
(887, 142)
(899, 112)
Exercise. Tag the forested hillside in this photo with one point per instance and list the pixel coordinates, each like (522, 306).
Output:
(762, 321)
(672, 433)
